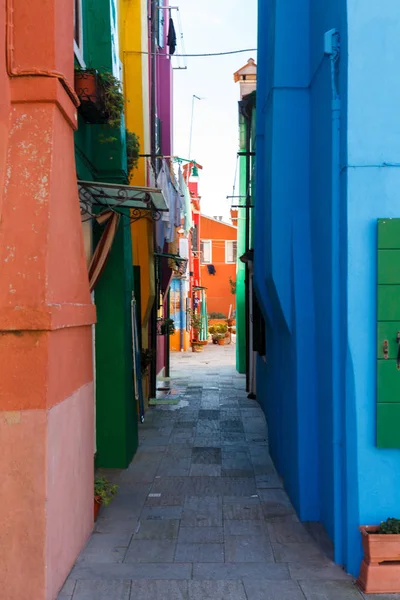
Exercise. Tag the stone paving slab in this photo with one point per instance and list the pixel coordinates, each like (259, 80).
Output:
(272, 590)
(201, 512)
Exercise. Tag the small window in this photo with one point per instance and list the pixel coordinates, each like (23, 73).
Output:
(78, 31)
(230, 251)
(205, 251)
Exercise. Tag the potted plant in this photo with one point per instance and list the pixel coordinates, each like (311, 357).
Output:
(196, 322)
(104, 492)
(197, 346)
(168, 327)
(380, 568)
(213, 332)
(221, 339)
(100, 94)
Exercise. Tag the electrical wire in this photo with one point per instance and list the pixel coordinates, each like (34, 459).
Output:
(196, 55)
(181, 40)
(234, 181)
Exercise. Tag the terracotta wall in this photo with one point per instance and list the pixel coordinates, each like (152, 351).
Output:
(219, 296)
(46, 387)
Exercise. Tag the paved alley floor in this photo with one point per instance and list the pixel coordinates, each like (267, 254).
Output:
(201, 513)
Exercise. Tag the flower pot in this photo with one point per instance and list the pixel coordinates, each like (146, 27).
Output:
(97, 505)
(197, 348)
(221, 342)
(380, 568)
(91, 95)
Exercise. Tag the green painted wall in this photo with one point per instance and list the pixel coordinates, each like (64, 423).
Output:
(241, 267)
(116, 413)
(241, 248)
(106, 160)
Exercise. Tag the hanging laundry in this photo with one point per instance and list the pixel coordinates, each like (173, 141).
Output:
(171, 37)
(186, 201)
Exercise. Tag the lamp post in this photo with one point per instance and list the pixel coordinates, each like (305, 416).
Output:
(194, 97)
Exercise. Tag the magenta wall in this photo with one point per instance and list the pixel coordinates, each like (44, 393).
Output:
(165, 90)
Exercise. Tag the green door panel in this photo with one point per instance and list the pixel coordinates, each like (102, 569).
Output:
(389, 266)
(387, 330)
(388, 325)
(388, 233)
(388, 429)
(389, 303)
(388, 382)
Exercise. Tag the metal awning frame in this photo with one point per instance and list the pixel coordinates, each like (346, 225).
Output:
(141, 201)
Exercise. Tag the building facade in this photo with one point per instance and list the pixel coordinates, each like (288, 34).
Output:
(46, 312)
(326, 173)
(101, 158)
(244, 205)
(218, 252)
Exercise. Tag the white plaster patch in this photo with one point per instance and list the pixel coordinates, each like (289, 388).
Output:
(12, 417)
(10, 250)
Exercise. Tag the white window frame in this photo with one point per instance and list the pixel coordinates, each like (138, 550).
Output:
(78, 47)
(227, 242)
(205, 262)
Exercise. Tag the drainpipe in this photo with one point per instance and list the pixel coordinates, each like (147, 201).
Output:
(332, 49)
(153, 116)
(153, 93)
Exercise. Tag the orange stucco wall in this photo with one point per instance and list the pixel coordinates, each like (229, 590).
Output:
(219, 296)
(46, 388)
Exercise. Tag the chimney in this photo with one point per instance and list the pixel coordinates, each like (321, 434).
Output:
(247, 78)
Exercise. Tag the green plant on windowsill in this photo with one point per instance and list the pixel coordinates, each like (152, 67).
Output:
(104, 90)
(390, 526)
(114, 101)
(168, 327)
(132, 150)
(104, 491)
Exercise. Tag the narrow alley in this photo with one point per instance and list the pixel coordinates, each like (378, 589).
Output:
(201, 513)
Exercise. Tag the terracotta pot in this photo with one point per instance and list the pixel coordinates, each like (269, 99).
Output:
(91, 96)
(197, 348)
(97, 505)
(380, 569)
(221, 342)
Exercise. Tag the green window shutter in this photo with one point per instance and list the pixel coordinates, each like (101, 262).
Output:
(388, 347)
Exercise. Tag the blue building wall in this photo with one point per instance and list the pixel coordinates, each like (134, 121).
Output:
(318, 198)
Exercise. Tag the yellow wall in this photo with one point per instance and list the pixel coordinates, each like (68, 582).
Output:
(133, 40)
(176, 341)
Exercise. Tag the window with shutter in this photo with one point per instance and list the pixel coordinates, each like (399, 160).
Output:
(205, 251)
(230, 251)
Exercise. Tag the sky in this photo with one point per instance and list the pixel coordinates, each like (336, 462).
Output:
(212, 26)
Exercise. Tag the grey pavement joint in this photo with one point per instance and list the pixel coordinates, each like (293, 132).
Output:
(201, 512)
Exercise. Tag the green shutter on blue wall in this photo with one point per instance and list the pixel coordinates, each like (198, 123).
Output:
(388, 334)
